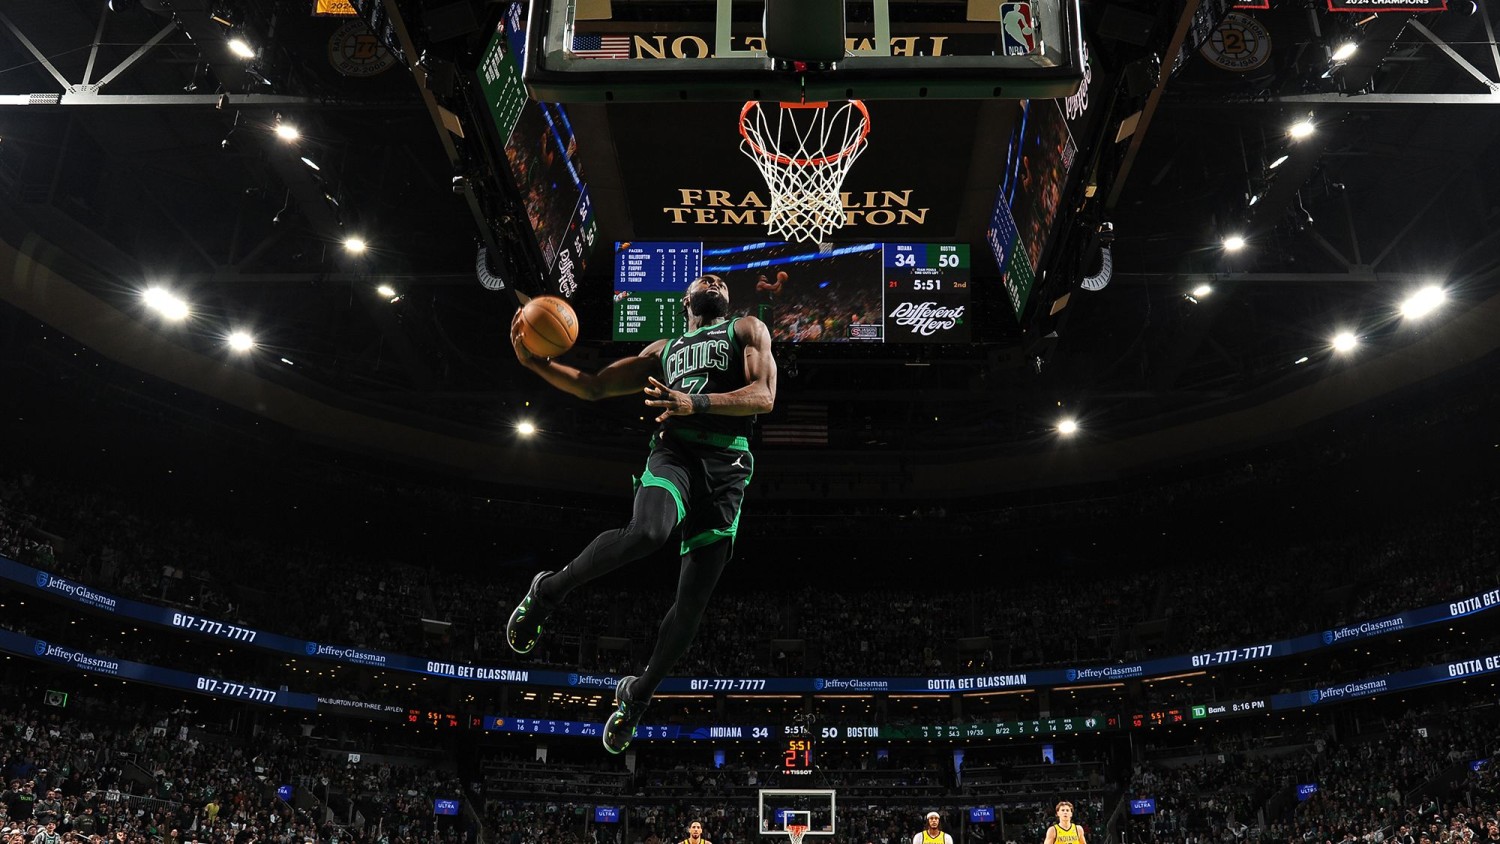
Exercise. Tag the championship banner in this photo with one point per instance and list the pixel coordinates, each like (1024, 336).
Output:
(334, 8)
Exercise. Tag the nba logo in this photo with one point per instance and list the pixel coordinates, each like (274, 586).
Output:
(1017, 29)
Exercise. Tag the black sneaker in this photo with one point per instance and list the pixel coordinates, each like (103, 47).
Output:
(619, 728)
(525, 626)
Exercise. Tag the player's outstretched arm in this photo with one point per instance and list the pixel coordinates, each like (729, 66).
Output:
(620, 378)
(757, 396)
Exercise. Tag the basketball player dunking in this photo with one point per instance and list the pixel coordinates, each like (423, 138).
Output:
(1065, 831)
(708, 384)
(695, 835)
(934, 833)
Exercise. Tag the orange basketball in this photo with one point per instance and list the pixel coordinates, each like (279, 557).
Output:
(549, 326)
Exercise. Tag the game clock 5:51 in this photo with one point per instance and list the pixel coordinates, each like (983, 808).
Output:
(796, 756)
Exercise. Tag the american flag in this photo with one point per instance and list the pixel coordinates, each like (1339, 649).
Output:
(601, 46)
(799, 424)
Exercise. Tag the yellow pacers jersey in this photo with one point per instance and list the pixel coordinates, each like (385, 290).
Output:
(1066, 836)
(926, 837)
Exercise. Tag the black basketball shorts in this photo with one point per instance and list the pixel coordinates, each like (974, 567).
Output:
(706, 475)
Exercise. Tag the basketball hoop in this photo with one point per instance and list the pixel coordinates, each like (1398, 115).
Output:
(804, 151)
(795, 831)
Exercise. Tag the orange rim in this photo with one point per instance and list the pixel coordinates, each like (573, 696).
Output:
(821, 160)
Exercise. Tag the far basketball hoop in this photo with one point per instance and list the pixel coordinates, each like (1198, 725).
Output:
(804, 151)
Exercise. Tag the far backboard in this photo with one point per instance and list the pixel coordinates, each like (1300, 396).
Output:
(818, 806)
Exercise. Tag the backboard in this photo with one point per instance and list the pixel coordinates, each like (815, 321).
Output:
(816, 807)
(621, 51)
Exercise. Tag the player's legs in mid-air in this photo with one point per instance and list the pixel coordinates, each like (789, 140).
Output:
(653, 516)
(714, 492)
(701, 486)
(701, 569)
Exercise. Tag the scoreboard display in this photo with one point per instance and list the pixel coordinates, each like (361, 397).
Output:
(864, 292)
(1157, 718)
(797, 757)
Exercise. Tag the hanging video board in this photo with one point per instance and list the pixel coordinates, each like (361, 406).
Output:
(858, 292)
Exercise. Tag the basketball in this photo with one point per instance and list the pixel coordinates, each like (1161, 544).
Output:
(781, 276)
(551, 327)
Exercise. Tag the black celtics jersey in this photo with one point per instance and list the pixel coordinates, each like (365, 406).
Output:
(707, 360)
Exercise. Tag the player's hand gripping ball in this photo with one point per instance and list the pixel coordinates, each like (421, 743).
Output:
(545, 327)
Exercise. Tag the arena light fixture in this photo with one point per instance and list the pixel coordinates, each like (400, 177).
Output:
(240, 47)
(1344, 341)
(1234, 243)
(165, 302)
(310, 163)
(1301, 129)
(1067, 427)
(1278, 162)
(525, 429)
(1202, 290)
(287, 132)
(1345, 51)
(386, 290)
(1423, 302)
(240, 340)
(355, 245)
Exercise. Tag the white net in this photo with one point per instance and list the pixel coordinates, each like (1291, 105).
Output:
(804, 151)
(795, 832)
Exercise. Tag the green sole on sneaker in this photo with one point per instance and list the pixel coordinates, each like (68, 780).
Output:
(524, 629)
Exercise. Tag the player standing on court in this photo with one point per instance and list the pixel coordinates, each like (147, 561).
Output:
(1065, 831)
(709, 384)
(934, 833)
(695, 835)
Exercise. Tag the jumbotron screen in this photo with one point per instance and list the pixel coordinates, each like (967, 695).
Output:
(805, 293)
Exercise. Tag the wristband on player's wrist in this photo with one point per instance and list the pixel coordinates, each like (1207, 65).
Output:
(700, 402)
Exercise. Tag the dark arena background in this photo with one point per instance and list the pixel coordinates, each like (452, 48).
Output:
(1136, 439)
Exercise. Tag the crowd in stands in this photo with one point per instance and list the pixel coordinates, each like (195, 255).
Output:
(571, 822)
(281, 584)
(115, 768)
(1364, 786)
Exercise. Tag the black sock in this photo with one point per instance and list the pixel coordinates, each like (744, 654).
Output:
(700, 574)
(651, 522)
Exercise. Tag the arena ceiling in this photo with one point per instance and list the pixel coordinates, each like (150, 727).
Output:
(137, 150)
